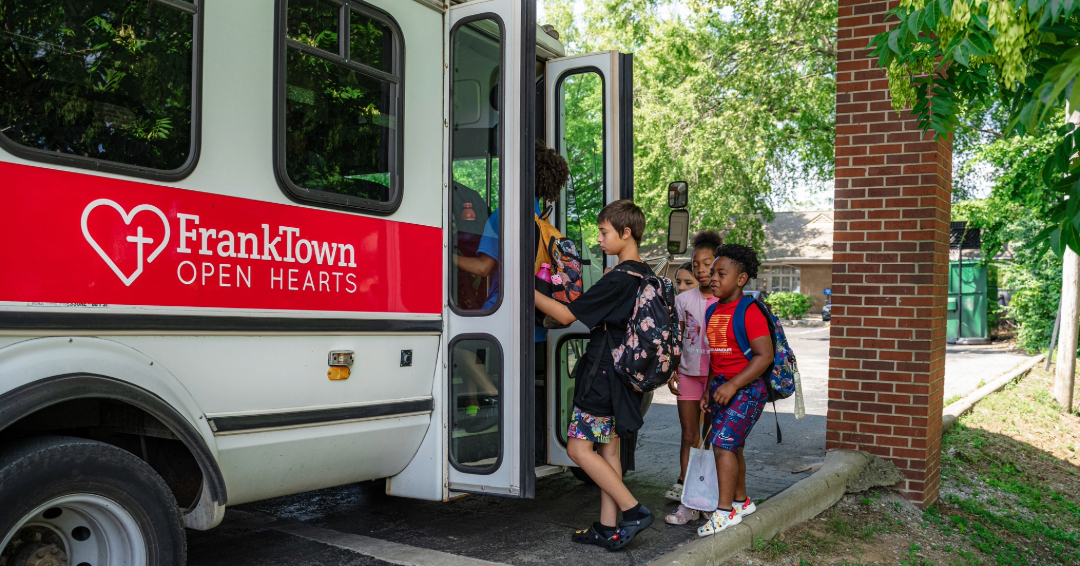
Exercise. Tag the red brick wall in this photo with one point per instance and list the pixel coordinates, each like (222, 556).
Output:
(890, 268)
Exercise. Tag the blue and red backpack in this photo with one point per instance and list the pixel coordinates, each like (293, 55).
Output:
(780, 377)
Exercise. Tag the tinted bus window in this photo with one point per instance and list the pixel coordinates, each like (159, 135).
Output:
(103, 80)
(342, 98)
(476, 148)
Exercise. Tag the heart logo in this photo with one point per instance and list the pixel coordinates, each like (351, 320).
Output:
(139, 240)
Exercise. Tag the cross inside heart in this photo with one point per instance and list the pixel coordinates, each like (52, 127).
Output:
(128, 243)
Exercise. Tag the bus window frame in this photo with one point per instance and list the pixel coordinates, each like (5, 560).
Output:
(502, 156)
(476, 470)
(116, 167)
(560, 126)
(282, 44)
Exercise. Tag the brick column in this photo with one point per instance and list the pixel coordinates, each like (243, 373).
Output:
(890, 268)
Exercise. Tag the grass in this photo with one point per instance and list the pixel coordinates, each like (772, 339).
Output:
(952, 400)
(1010, 495)
(1009, 477)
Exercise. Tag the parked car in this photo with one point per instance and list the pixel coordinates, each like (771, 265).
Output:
(757, 295)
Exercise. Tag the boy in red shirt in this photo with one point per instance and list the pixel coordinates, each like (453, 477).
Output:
(737, 393)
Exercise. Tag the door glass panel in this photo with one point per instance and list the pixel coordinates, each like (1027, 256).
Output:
(475, 416)
(475, 167)
(581, 120)
(570, 351)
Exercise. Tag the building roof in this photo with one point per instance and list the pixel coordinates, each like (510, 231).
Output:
(805, 235)
(802, 235)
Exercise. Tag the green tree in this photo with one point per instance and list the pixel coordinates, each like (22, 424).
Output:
(945, 56)
(736, 100)
(1019, 208)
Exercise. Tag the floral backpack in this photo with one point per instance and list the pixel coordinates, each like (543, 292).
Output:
(649, 353)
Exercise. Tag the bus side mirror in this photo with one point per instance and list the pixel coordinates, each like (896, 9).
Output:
(678, 232)
(678, 194)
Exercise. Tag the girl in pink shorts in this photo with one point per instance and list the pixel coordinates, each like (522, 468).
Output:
(690, 381)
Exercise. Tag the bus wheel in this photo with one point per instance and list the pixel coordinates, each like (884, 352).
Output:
(70, 501)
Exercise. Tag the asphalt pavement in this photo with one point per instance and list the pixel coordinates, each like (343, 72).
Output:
(359, 524)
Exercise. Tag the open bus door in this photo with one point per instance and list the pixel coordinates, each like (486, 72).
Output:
(590, 122)
(489, 422)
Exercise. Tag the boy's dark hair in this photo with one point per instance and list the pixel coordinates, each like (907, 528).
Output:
(623, 214)
(707, 239)
(744, 258)
(688, 267)
(552, 173)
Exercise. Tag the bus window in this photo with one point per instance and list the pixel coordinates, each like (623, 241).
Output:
(341, 133)
(101, 84)
(581, 120)
(475, 384)
(475, 146)
(570, 351)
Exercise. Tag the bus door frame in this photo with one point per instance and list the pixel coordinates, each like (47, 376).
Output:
(616, 71)
(510, 324)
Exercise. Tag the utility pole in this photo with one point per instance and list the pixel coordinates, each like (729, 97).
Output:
(1070, 296)
(1066, 358)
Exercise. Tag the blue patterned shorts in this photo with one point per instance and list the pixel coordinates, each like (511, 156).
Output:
(731, 423)
(594, 429)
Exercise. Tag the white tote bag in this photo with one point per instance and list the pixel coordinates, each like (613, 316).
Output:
(700, 489)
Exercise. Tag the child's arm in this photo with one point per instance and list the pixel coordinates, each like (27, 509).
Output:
(481, 265)
(554, 308)
(762, 348)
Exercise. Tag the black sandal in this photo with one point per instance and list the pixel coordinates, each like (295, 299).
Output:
(628, 530)
(589, 536)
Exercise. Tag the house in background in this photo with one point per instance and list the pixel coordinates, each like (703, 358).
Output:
(798, 255)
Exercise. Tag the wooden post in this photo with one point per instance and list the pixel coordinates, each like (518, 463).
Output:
(1066, 358)
(1070, 295)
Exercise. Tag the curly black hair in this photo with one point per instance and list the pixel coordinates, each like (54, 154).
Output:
(744, 258)
(707, 239)
(552, 173)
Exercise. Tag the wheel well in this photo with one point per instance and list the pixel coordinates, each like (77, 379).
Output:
(125, 426)
(120, 413)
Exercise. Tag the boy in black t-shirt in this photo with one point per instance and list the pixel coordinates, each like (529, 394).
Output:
(603, 405)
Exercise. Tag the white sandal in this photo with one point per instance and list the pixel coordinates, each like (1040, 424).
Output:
(675, 493)
(718, 521)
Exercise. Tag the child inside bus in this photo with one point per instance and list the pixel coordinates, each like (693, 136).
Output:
(689, 384)
(684, 278)
(737, 393)
(605, 409)
(552, 172)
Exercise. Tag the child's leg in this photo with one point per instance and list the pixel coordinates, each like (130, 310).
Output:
(606, 476)
(609, 509)
(727, 472)
(689, 419)
(740, 482)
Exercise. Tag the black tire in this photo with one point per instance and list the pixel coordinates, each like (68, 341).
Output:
(36, 471)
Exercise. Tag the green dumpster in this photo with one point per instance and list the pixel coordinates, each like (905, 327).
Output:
(966, 321)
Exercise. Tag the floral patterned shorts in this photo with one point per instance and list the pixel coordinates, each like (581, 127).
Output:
(594, 429)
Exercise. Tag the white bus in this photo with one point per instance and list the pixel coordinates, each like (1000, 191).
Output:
(226, 268)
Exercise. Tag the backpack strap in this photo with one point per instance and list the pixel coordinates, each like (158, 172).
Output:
(738, 326)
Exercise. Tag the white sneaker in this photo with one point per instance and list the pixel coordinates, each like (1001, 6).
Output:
(745, 508)
(718, 521)
(675, 493)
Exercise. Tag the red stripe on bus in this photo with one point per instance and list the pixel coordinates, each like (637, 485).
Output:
(70, 238)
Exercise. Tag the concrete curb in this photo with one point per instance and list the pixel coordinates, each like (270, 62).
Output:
(796, 504)
(951, 414)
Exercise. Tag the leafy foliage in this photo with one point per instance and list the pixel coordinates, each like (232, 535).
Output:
(736, 100)
(789, 305)
(945, 55)
(1018, 209)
